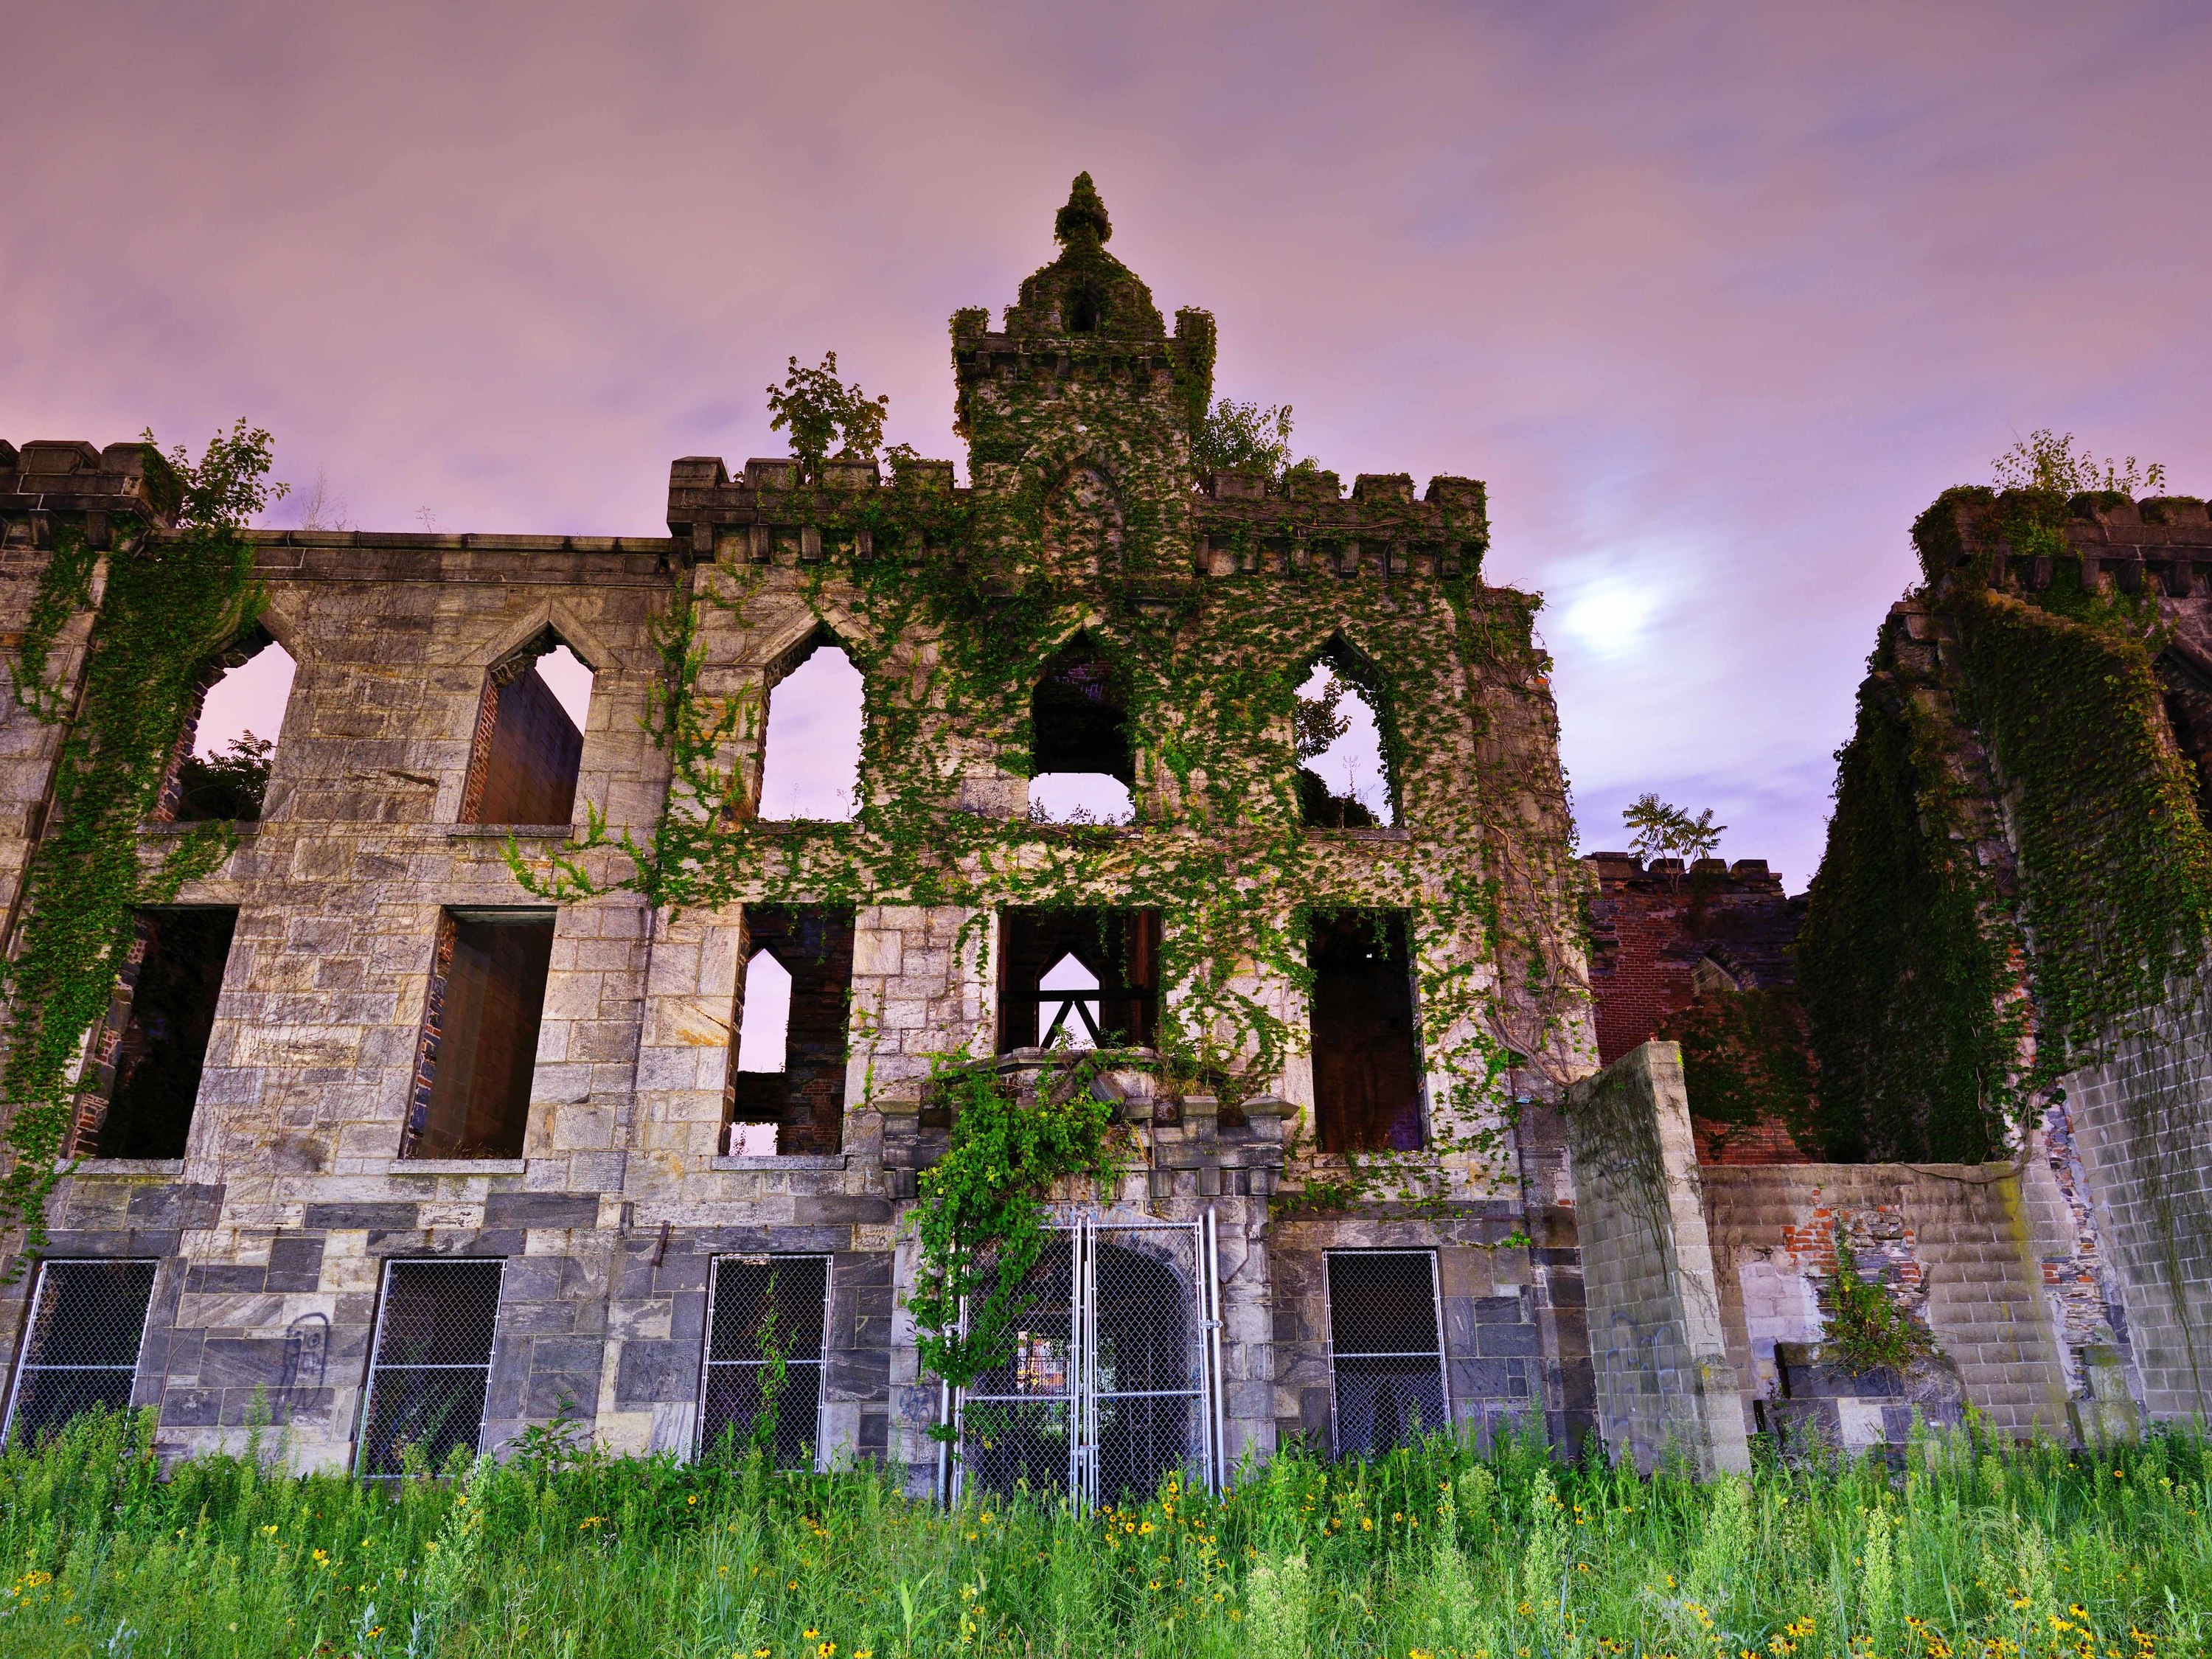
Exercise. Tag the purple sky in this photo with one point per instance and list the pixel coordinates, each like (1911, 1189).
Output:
(1716, 298)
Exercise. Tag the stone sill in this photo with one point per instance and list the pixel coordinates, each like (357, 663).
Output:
(792, 1161)
(141, 1167)
(502, 831)
(1387, 833)
(453, 1166)
(243, 828)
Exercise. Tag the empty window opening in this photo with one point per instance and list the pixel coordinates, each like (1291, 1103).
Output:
(1083, 311)
(529, 738)
(1343, 780)
(764, 1025)
(1366, 1069)
(1067, 1006)
(811, 765)
(430, 1362)
(761, 1308)
(229, 739)
(479, 1048)
(147, 1075)
(1386, 1349)
(1079, 979)
(1082, 763)
(786, 1089)
(87, 1322)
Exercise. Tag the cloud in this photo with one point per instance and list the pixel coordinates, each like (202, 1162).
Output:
(1744, 285)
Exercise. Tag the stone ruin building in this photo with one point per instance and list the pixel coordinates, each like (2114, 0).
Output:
(381, 1142)
(1977, 1050)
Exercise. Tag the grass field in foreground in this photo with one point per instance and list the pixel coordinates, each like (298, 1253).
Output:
(1973, 1551)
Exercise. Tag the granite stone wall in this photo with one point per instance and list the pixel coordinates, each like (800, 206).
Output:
(1664, 1382)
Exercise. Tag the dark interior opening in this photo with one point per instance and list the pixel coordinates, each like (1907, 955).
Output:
(429, 1374)
(523, 767)
(480, 1035)
(1367, 1084)
(1121, 948)
(1083, 311)
(1078, 719)
(806, 1099)
(172, 983)
(1386, 1355)
(2186, 682)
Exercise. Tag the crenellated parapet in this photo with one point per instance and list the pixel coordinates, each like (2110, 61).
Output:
(115, 494)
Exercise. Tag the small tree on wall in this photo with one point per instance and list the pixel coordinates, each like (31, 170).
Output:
(818, 409)
(1666, 831)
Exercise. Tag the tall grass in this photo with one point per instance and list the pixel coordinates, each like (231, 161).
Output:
(1972, 1551)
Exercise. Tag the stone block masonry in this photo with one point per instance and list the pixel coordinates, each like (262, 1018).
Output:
(296, 1187)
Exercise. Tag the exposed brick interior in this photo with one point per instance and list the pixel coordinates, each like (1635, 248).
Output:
(526, 752)
(806, 1099)
(489, 1002)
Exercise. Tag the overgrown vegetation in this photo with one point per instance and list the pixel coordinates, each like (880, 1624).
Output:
(1081, 522)
(169, 602)
(979, 1227)
(1865, 1329)
(1665, 831)
(1948, 992)
(1434, 1552)
(1745, 1061)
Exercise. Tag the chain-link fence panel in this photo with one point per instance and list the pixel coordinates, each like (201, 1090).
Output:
(1386, 1347)
(1148, 1369)
(87, 1321)
(1106, 1391)
(767, 1324)
(431, 1362)
(1018, 1419)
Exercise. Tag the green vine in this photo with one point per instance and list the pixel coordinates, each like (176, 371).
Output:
(1084, 519)
(981, 1226)
(169, 602)
(1946, 995)
(1866, 1329)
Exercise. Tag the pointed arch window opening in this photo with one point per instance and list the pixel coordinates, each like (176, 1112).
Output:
(528, 747)
(1344, 780)
(227, 747)
(1069, 1005)
(1083, 765)
(811, 747)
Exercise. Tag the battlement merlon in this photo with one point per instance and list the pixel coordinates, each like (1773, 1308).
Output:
(2168, 538)
(764, 516)
(115, 494)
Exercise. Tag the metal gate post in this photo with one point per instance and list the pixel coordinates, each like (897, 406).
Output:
(1209, 1307)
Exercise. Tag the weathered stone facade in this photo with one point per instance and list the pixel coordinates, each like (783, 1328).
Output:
(271, 1232)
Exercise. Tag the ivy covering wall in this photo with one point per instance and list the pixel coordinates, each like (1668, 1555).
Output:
(169, 602)
(2016, 865)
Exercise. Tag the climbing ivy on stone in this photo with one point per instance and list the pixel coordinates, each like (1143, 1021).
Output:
(168, 603)
(1082, 519)
(1948, 994)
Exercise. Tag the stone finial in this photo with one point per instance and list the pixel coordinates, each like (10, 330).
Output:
(1084, 219)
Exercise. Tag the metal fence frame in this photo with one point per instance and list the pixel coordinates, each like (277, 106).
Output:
(379, 1366)
(1085, 1233)
(26, 1366)
(1436, 1313)
(708, 1362)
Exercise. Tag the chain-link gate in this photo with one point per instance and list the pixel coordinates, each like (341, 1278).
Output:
(1113, 1383)
(1386, 1349)
(761, 1309)
(87, 1321)
(430, 1362)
